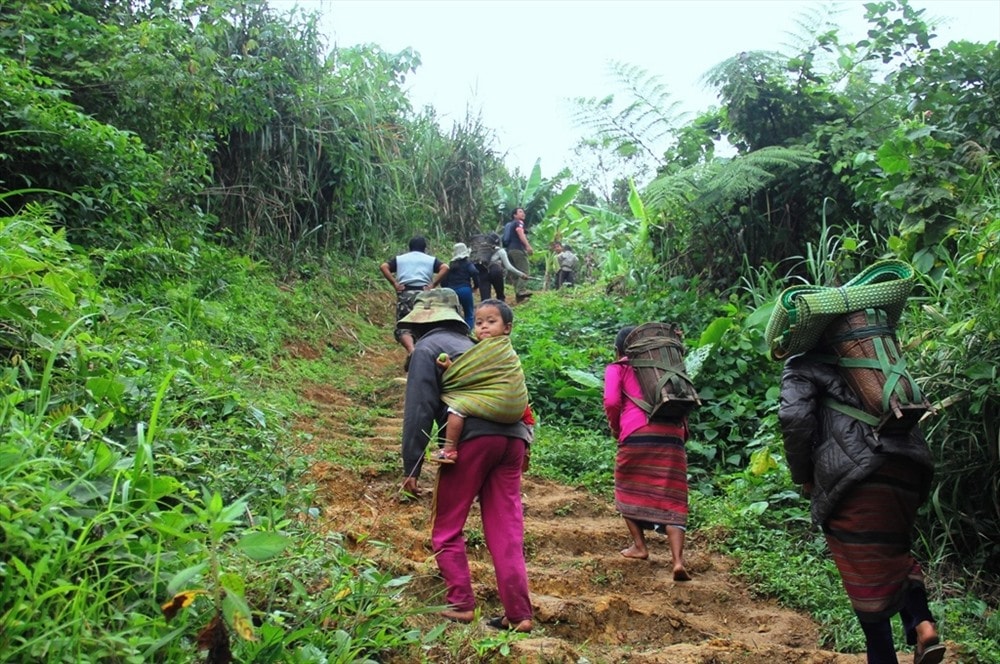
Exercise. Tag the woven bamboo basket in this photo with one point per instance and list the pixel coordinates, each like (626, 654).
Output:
(872, 363)
(656, 353)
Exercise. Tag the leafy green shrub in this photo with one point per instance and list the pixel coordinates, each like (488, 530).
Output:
(561, 333)
(739, 387)
(132, 453)
(954, 349)
(105, 177)
(575, 456)
(970, 622)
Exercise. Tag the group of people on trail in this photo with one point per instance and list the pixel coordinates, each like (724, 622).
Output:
(482, 268)
(483, 265)
(494, 265)
(465, 392)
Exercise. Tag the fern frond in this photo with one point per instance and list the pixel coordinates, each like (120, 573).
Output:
(723, 181)
(754, 171)
(643, 124)
(673, 189)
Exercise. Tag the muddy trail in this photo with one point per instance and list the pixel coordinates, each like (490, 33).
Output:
(591, 604)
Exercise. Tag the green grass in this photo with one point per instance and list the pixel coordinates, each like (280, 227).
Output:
(143, 456)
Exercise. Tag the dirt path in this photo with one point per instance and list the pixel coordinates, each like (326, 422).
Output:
(591, 604)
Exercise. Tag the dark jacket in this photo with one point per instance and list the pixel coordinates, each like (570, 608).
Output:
(833, 450)
(461, 273)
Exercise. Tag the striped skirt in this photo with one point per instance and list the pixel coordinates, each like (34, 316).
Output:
(870, 534)
(651, 476)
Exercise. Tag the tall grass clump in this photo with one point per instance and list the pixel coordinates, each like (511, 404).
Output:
(146, 507)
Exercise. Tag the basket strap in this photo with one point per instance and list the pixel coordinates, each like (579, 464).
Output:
(652, 343)
(675, 377)
(850, 411)
(641, 403)
(892, 365)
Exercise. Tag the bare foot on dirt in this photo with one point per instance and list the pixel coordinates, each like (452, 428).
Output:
(680, 574)
(409, 490)
(635, 552)
(458, 616)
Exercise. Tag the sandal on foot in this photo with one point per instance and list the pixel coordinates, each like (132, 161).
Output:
(444, 456)
(498, 623)
(931, 653)
(501, 623)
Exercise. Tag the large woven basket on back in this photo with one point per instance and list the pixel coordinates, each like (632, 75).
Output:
(872, 363)
(656, 354)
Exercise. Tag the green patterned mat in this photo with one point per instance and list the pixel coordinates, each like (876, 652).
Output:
(802, 313)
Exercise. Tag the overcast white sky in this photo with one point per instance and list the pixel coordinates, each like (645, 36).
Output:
(518, 62)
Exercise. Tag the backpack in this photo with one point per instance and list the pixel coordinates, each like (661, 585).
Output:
(656, 354)
(868, 356)
(482, 247)
(508, 233)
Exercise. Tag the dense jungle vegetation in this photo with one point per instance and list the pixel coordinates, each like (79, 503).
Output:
(185, 186)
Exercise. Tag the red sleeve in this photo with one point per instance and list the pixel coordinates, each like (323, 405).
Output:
(528, 417)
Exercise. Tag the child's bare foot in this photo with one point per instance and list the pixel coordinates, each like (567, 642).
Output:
(445, 456)
(635, 552)
(680, 574)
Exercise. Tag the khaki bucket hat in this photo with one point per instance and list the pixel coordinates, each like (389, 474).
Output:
(434, 306)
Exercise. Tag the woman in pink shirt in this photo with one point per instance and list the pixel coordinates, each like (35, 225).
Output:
(651, 489)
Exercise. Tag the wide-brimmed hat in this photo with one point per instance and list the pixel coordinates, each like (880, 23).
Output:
(460, 251)
(439, 305)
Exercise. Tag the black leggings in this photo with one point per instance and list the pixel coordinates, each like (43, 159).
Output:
(878, 635)
(491, 276)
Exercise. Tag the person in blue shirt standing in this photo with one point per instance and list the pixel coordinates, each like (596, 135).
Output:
(462, 276)
(518, 249)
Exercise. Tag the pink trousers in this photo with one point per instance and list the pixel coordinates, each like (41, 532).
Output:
(488, 467)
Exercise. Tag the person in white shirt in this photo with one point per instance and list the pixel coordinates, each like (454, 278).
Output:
(410, 273)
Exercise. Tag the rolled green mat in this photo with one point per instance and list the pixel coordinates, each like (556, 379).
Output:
(802, 313)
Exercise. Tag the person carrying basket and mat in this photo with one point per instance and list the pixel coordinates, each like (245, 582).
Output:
(865, 481)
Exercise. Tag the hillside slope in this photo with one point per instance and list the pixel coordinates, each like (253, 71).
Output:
(591, 604)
